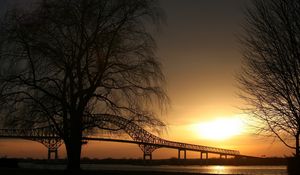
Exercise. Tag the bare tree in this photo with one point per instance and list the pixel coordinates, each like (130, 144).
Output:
(270, 77)
(65, 60)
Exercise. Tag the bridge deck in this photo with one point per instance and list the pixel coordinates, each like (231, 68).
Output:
(184, 146)
(138, 134)
(190, 147)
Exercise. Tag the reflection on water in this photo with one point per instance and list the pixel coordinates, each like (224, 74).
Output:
(246, 170)
(249, 170)
(220, 169)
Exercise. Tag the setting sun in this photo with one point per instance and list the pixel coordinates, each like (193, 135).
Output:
(219, 129)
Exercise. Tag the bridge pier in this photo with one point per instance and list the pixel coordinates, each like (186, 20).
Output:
(221, 156)
(148, 155)
(50, 151)
(201, 155)
(52, 145)
(147, 150)
(184, 154)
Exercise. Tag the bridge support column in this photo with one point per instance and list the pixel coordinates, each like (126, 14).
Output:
(50, 151)
(147, 155)
(49, 154)
(223, 155)
(56, 154)
(148, 149)
(184, 154)
(52, 145)
(201, 155)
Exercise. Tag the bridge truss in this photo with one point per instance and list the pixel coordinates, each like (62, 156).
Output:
(147, 142)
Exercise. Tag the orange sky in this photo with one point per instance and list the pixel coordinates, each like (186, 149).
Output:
(200, 56)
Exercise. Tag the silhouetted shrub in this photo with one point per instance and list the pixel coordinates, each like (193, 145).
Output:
(293, 166)
(8, 163)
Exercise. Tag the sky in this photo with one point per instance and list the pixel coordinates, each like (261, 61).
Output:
(200, 56)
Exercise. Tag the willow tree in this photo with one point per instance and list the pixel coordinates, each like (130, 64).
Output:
(270, 77)
(64, 60)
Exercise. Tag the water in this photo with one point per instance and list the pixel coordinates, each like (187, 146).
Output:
(213, 169)
(247, 170)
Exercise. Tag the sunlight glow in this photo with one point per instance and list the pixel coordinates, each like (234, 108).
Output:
(219, 129)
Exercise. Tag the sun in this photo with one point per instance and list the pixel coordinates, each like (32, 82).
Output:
(219, 129)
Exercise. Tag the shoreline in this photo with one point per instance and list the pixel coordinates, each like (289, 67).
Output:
(25, 171)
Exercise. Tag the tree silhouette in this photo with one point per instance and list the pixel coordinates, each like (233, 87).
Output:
(64, 61)
(270, 78)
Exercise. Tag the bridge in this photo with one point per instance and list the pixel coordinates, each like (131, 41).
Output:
(145, 140)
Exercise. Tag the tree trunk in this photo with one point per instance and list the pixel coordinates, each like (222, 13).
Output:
(73, 146)
(73, 153)
(297, 154)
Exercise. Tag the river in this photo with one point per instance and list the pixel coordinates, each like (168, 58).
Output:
(246, 170)
(213, 169)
